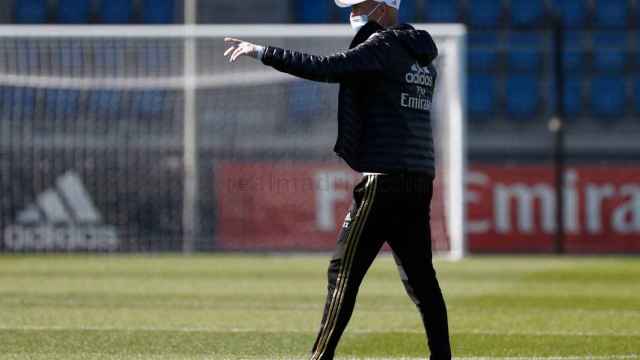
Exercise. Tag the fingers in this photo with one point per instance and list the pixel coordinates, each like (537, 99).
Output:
(232, 44)
(233, 52)
(239, 51)
(230, 51)
(232, 41)
(235, 48)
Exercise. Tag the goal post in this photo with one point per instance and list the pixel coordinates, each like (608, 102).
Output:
(138, 114)
(453, 152)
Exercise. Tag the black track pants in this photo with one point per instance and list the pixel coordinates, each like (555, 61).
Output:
(395, 209)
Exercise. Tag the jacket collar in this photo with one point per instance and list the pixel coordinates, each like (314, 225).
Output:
(402, 27)
(373, 27)
(365, 32)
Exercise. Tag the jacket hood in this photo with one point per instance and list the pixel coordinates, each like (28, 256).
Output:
(418, 43)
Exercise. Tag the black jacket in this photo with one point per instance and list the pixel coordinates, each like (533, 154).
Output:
(386, 88)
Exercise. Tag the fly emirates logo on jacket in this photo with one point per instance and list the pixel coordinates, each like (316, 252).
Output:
(423, 80)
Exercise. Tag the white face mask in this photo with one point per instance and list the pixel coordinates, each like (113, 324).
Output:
(359, 21)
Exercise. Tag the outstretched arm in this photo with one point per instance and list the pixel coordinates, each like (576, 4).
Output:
(365, 58)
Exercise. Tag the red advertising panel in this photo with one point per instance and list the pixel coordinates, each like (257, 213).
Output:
(267, 206)
(512, 209)
(301, 206)
(292, 206)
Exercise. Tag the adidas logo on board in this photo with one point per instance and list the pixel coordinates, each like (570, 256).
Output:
(63, 217)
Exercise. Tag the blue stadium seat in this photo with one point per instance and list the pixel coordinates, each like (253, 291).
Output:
(61, 103)
(4, 102)
(525, 51)
(523, 95)
(441, 11)
(573, 95)
(150, 102)
(71, 57)
(527, 12)
(574, 55)
(610, 51)
(608, 95)
(340, 15)
(21, 103)
(574, 12)
(314, 11)
(573, 99)
(116, 11)
(300, 108)
(482, 52)
(636, 94)
(27, 56)
(485, 13)
(481, 95)
(31, 11)
(104, 104)
(158, 11)
(482, 59)
(636, 54)
(74, 11)
(105, 59)
(408, 11)
(611, 13)
(154, 58)
(574, 60)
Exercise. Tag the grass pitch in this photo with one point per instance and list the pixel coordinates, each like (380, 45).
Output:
(269, 307)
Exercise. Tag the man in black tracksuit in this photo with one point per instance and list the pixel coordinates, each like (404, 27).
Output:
(386, 81)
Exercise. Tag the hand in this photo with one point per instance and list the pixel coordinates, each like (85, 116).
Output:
(239, 48)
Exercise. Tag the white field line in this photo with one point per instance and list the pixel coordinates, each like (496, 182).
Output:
(304, 308)
(267, 330)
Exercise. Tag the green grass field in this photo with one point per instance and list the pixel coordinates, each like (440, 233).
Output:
(269, 307)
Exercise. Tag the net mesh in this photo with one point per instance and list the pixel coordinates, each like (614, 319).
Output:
(92, 148)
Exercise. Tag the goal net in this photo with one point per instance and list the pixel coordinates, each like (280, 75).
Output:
(134, 138)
